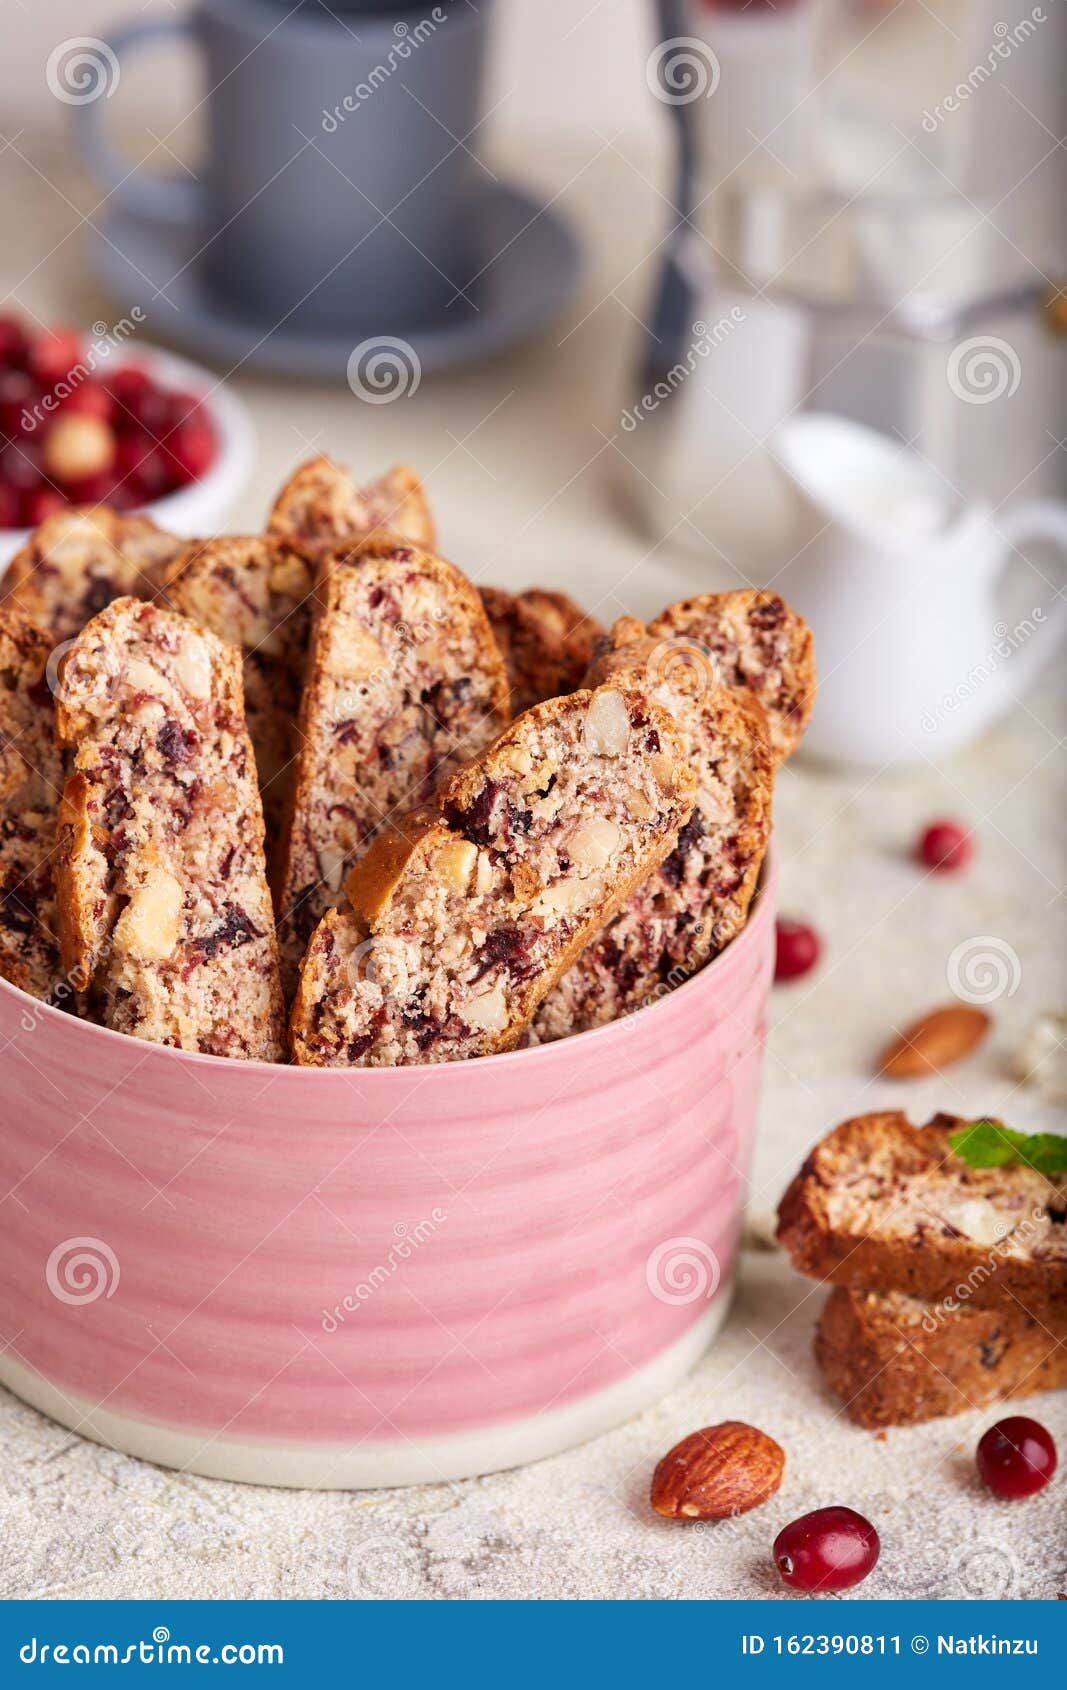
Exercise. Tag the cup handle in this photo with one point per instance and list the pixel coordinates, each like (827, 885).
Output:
(1036, 519)
(166, 198)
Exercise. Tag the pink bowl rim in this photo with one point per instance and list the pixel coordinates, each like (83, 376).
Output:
(760, 911)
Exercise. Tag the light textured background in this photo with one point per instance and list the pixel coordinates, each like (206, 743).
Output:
(525, 473)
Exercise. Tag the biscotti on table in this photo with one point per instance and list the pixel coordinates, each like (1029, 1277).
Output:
(967, 1266)
(463, 918)
(80, 559)
(161, 884)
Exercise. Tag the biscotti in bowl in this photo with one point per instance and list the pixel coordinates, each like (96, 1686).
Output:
(421, 1232)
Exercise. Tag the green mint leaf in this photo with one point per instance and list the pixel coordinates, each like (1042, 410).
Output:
(987, 1144)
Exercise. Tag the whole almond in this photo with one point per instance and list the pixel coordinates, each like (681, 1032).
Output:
(718, 1472)
(936, 1039)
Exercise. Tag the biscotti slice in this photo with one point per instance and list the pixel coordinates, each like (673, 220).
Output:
(895, 1361)
(256, 593)
(754, 640)
(320, 504)
(880, 1205)
(698, 898)
(462, 920)
(404, 682)
(160, 879)
(31, 784)
(80, 559)
(546, 641)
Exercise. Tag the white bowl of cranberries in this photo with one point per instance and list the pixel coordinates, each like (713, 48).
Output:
(134, 428)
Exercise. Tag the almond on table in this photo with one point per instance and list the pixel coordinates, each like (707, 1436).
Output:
(462, 919)
(161, 883)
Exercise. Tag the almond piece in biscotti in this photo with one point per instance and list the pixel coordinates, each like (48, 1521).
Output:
(161, 884)
(404, 684)
(935, 1040)
(522, 870)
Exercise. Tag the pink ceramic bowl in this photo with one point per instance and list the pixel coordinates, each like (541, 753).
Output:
(360, 1278)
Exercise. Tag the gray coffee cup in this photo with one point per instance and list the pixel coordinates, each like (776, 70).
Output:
(342, 180)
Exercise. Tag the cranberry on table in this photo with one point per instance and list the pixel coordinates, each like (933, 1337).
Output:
(1016, 1457)
(798, 949)
(829, 1549)
(945, 846)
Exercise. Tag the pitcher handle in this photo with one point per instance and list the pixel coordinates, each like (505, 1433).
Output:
(1018, 526)
(167, 198)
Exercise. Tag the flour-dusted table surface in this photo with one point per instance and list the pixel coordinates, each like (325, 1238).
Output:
(522, 457)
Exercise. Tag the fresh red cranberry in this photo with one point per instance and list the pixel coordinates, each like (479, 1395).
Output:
(19, 466)
(9, 507)
(128, 383)
(38, 505)
(829, 1549)
(89, 400)
(798, 949)
(946, 846)
(18, 396)
(192, 447)
(90, 490)
(13, 343)
(1016, 1457)
(53, 355)
(183, 407)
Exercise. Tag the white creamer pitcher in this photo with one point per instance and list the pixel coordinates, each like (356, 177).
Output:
(923, 633)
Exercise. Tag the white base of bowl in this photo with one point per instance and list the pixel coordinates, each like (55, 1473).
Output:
(378, 1465)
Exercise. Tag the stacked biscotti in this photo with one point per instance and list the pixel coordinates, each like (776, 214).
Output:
(310, 795)
(949, 1281)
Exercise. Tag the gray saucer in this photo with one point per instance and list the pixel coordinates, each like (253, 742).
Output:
(531, 265)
